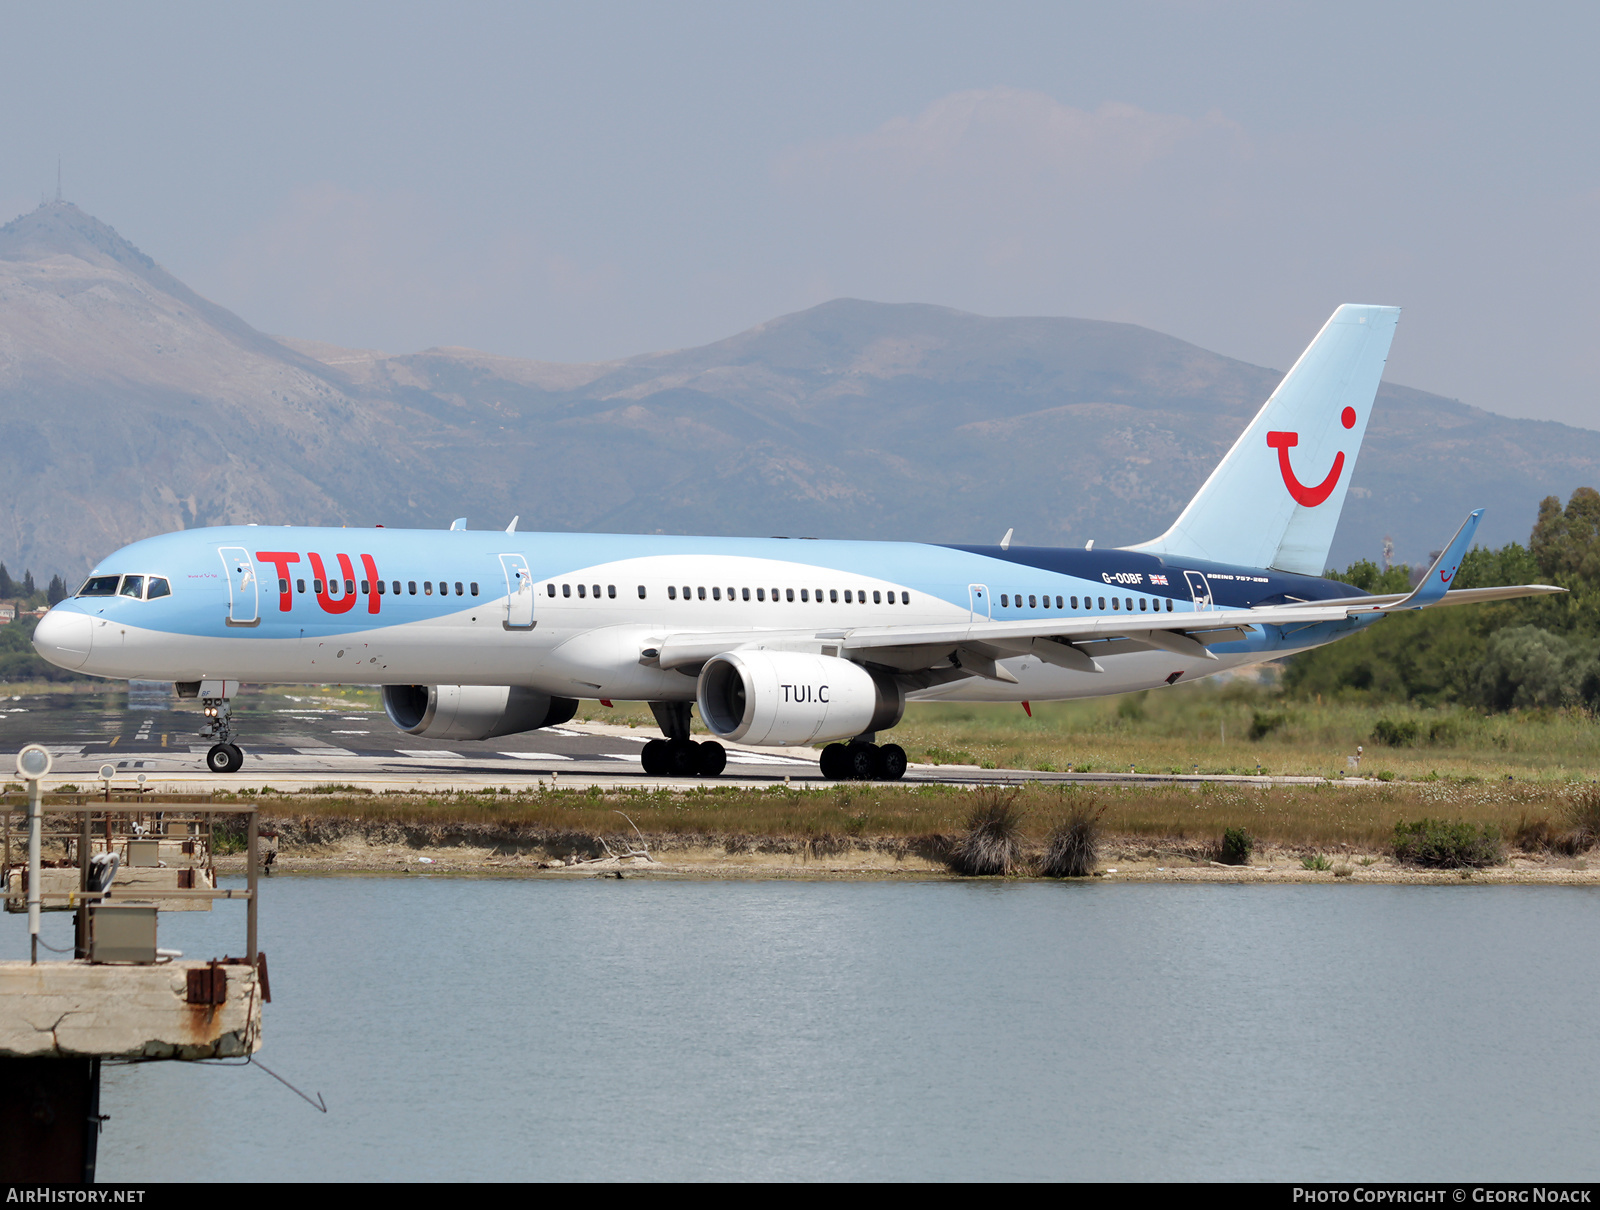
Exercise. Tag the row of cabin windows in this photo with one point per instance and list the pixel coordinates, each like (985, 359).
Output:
(1088, 602)
(391, 586)
(851, 596)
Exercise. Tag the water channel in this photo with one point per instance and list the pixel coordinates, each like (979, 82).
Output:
(544, 1029)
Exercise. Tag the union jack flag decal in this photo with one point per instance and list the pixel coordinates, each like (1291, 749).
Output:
(1158, 580)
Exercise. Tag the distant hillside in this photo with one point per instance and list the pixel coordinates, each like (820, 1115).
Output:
(129, 406)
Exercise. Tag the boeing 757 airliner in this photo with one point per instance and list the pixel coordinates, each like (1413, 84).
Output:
(475, 634)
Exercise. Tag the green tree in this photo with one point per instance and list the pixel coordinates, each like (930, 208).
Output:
(1566, 543)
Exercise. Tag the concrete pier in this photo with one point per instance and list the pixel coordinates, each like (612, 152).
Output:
(61, 1010)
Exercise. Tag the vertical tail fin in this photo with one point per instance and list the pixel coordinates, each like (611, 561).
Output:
(1275, 500)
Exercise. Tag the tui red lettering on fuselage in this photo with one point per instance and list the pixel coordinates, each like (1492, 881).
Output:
(334, 595)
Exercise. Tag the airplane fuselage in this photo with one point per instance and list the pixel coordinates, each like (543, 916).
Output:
(576, 615)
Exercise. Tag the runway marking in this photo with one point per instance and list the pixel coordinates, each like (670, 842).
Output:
(430, 753)
(328, 751)
(756, 758)
(533, 755)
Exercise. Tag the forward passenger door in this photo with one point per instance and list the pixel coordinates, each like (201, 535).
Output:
(519, 593)
(244, 593)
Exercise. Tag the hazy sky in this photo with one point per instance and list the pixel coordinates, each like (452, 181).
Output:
(581, 181)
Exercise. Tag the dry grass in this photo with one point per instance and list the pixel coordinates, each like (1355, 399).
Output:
(993, 841)
(1320, 817)
(1072, 847)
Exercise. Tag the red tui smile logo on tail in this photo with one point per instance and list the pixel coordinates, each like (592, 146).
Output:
(1308, 496)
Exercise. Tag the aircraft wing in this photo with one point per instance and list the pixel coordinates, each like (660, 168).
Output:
(1073, 642)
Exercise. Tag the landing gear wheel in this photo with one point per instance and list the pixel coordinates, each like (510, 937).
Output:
(683, 758)
(654, 757)
(713, 758)
(832, 763)
(861, 761)
(891, 762)
(224, 758)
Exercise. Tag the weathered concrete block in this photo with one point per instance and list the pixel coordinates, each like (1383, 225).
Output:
(66, 1009)
(144, 883)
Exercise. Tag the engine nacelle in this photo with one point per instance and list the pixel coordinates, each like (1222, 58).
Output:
(794, 697)
(473, 711)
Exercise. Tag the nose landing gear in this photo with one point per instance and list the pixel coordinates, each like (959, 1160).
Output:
(224, 756)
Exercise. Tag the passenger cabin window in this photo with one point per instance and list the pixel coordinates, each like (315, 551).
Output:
(761, 594)
(395, 587)
(411, 587)
(788, 594)
(427, 588)
(716, 593)
(701, 593)
(474, 587)
(582, 591)
(283, 586)
(672, 592)
(641, 592)
(299, 585)
(847, 600)
(549, 590)
(1102, 604)
(611, 591)
(566, 590)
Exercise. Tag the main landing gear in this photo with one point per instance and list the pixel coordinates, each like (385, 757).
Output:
(225, 756)
(678, 755)
(861, 760)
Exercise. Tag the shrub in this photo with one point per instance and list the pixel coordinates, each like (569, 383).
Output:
(1072, 848)
(1447, 844)
(1445, 733)
(1524, 667)
(1582, 817)
(1316, 862)
(1395, 732)
(1264, 723)
(993, 840)
(1236, 847)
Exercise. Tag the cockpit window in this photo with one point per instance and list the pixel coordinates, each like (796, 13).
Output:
(139, 588)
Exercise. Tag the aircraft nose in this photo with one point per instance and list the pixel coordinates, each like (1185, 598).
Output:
(64, 637)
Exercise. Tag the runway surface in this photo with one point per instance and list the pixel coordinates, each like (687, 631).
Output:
(306, 739)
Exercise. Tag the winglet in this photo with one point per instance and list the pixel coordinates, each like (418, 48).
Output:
(1437, 582)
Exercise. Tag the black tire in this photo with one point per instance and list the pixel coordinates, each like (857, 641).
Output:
(654, 757)
(861, 761)
(683, 758)
(832, 763)
(224, 758)
(891, 762)
(713, 758)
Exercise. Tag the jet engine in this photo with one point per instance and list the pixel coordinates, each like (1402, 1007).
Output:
(794, 697)
(473, 711)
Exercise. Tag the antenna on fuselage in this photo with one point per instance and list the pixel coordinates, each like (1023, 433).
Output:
(512, 528)
(1005, 542)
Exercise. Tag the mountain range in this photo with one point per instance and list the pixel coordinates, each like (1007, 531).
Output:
(129, 406)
